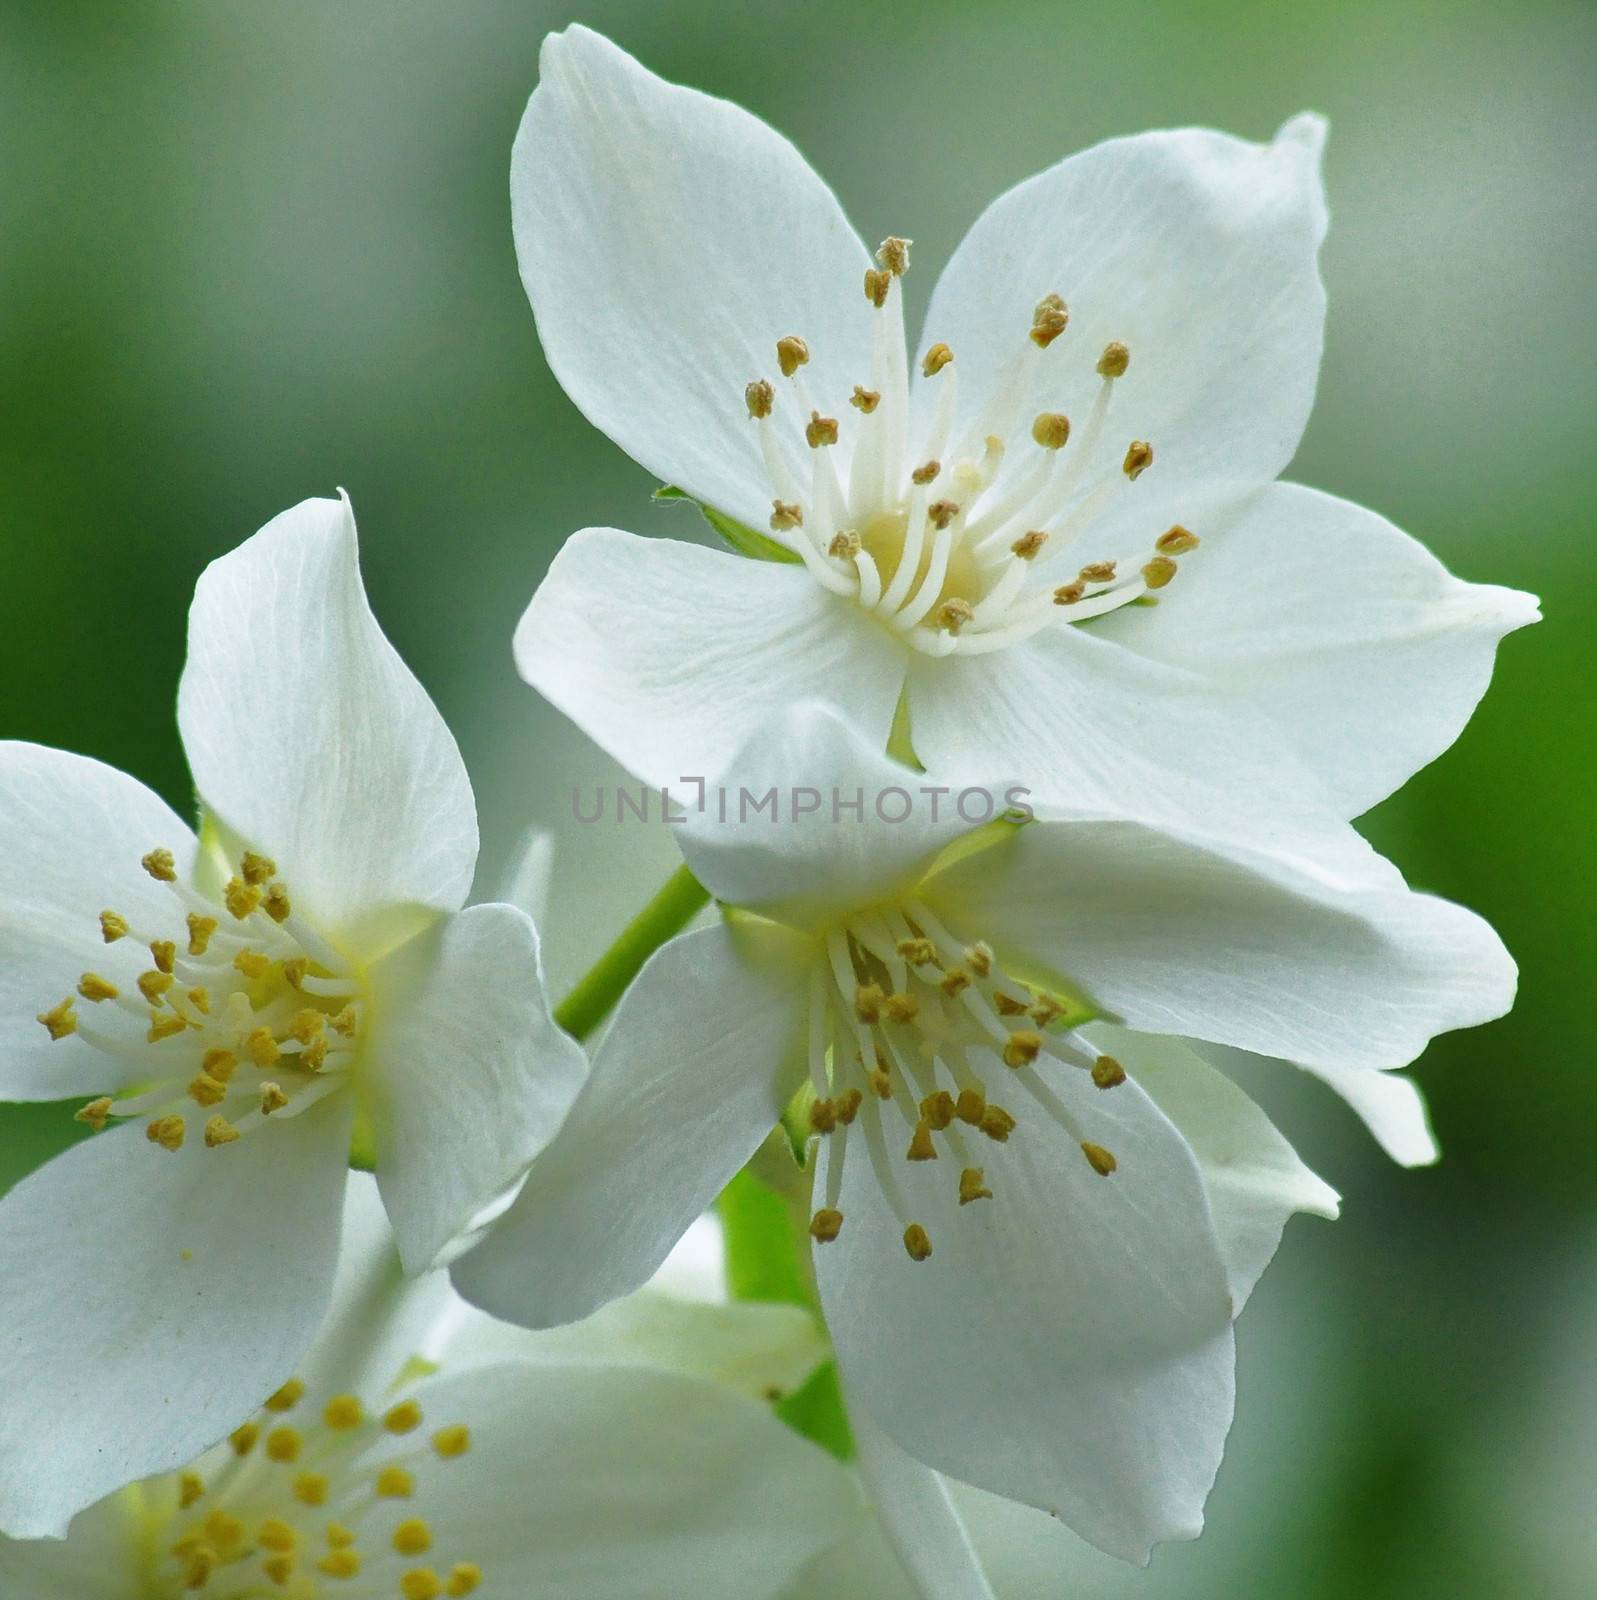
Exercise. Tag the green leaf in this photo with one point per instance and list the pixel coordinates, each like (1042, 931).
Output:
(744, 540)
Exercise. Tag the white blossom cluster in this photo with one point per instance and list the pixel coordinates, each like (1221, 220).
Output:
(962, 1054)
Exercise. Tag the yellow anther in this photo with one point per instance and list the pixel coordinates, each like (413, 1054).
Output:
(394, 1483)
(938, 1109)
(954, 981)
(1022, 1047)
(784, 515)
(881, 1084)
(343, 1563)
(452, 1442)
(343, 1412)
(848, 1104)
(344, 1021)
(166, 1131)
(154, 984)
(902, 1007)
(893, 253)
(935, 360)
(219, 1063)
(243, 1439)
(865, 400)
(1114, 360)
(1051, 429)
(294, 971)
(845, 546)
(283, 1445)
(971, 1106)
(112, 927)
(225, 1532)
(464, 1577)
(94, 1113)
(200, 999)
(1097, 572)
(953, 614)
(204, 1090)
(876, 286)
(1158, 572)
(1177, 541)
(791, 354)
(942, 512)
(825, 1225)
(979, 958)
(59, 1020)
(926, 472)
(996, 1123)
(921, 1147)
(263, 1048)
(403, 1418)
(93, 987)
(279, 1569)
(161, 865)
(164, 954)
(971, 1186)
(200, 931)
(190, 1486)
(275, 1534)
(1098, 1158)
(252, 963)
(421, 1583)
(287, 1397)
(310, 1489)
(164, 1025)
(759, 397)
(256, 869)
(198, 1566)
(339, 1537)
(1139, 457)
(314, 1054)
(219, 1131)
(822, 1116)
(307, 1025)
(272, 1098)
(1050, 319)
(868, 998)
(917, 1242)
(917, 952)
(276, 904)
(1044, 1009)
(1028, 544)
(1107, 1072)
(1067, 594)
(819, 431)
(1007, 1005)
(240, 898)
(413, 1537)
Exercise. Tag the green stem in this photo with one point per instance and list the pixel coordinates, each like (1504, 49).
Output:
(680, 898)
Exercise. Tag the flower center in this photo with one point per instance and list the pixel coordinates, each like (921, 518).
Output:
(960, 545)
(246, 1013)
(294, 1510)
(910, 1028)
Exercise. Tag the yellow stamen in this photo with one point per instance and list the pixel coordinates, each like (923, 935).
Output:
(822, 1116)
(219, 1131)
(167, 1132)
(153, 985)
(403, 1418)
(59, 1020)
(759, 397)
(893, 253)
(95, 1113)
(200, 931)
(240, 898)
(1114, 360)
(275, 1534)
(1139, 457)
(1158, 572)
(1097, 572)
(340, 1564)
(917, 1242)
(1176, 542)
(420, 1583)
(791, 354)
(825, 1225)
(868, 1000)
(876, 286)
(938, 1109)
(252, 963)
(971, 1186)
(272, 1098)
(161, 865)
(452, 1442)
(1107, 1072)
(164, 1025)
(219, 1063)
(971, 1106)
(464, 1577)
(1028, 544)
(785, 515)
(164, 954)
(287, 1397)
(864, 400)
(1048, 321)
(1051, 429)
(255, 870)
(190, 1486)
(243, 1438)
(93, 987)
(276, 904)
(394, 1483)
(1098, 1158)
(283, 1445)
(926, 472)
(200, 999)
(921, 1147)
(204, 1090)
(1022, 1048)
(997, 1124)
(954, 613)
(935, 360)
(262, 1048)
(343, 1412)
(413, 1537)
(310, 1489)
(902, 1008)
(338, 1536)
(112, 927)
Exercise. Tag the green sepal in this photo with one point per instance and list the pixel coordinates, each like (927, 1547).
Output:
(741, 538)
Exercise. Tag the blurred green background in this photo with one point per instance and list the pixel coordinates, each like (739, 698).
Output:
(255, 252)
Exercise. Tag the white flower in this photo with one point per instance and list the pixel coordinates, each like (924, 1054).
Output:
(698, 293)
(239, 1005)
(424, 1452)
(1019, 1250)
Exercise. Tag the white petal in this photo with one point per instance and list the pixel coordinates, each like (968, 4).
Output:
(72, 833)
(1361, 648)
(1068, 1343)
(154, 1299)
(310, 738)
(1198, 252)
(1254, 1178)
(690, 1077)
(1391, 1106)
(667, 240)
(849, 826)
(1275, 954)
(643, 1483)
(918, 1517)
(1115, 732)
(100, 1559)
(671, 656)
(465, 1075)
